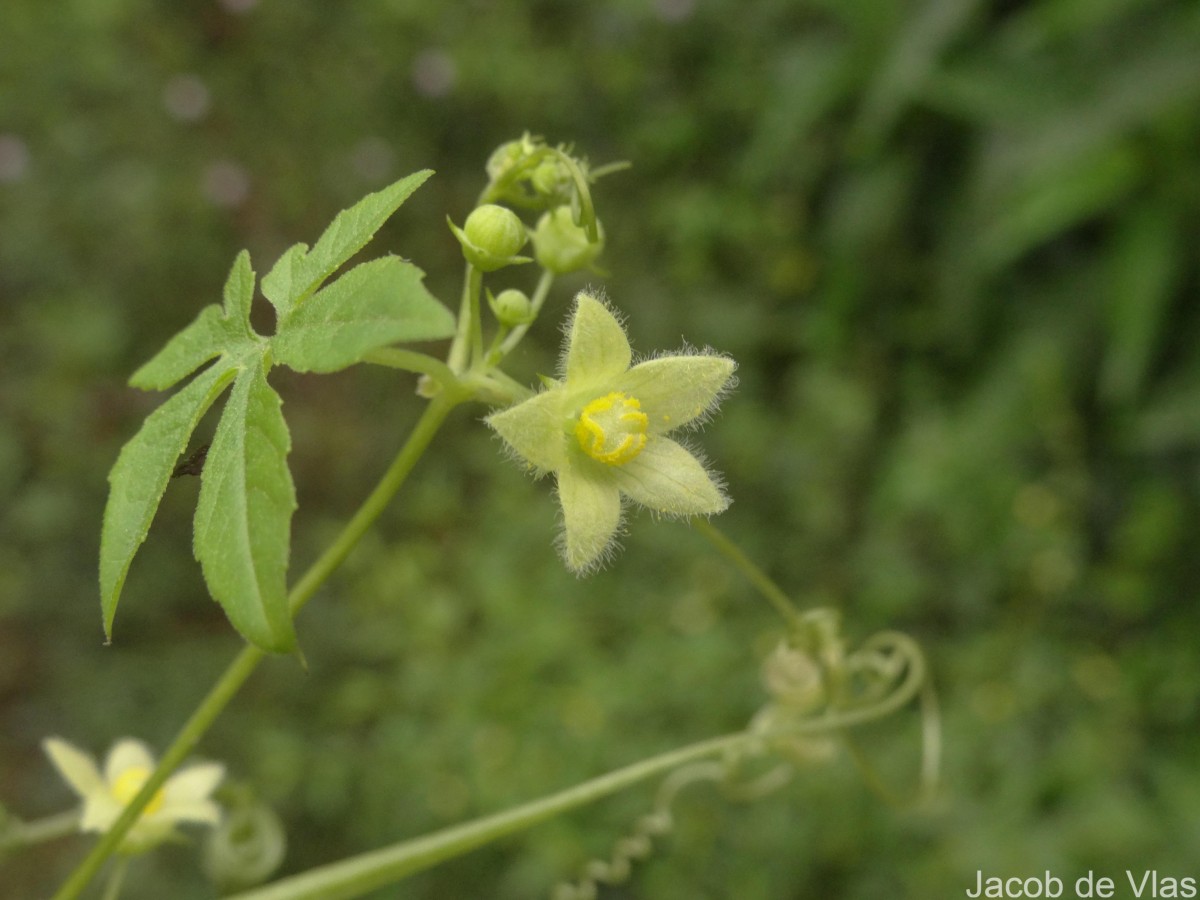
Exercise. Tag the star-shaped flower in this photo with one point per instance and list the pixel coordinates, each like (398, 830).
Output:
(602, 430)
(184, 798)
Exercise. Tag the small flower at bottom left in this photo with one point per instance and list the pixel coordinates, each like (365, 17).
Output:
(185, 797)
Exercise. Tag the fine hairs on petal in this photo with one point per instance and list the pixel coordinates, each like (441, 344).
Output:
(671, 392)
(718, 398)
(714, 476)
(604, 557)
(510, 452)
(568, 323)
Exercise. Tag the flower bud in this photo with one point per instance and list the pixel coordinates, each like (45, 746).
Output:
(794, 678)
(551, 181)
(495, 230)
(504, 158)
(491, 237)
(511, 307)
(561, 246)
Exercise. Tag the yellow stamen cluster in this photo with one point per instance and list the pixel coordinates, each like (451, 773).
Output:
(612, 429)
(127, 785)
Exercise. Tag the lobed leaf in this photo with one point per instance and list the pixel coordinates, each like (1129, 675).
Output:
(210, 334)
(243, 517)
(239, 294)
(300, 271)
(279, 285)
(191, 348)
(139, 478)
(374, 304)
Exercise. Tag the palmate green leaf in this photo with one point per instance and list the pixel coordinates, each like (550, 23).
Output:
(243, 517)
(374, 304)
(301, 271)
(140, 476)
(238, 296)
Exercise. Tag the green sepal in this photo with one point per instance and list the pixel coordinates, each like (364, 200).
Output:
(373, 305)
(301, 271)
(243, 517)
(140, 476)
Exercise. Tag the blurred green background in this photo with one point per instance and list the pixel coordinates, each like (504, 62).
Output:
(953, 246)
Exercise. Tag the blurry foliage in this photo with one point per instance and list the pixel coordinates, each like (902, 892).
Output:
(953, 246)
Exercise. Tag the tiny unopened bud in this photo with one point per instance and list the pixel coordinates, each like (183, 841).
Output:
(504, 158)
(511, 307)
(561, 246)
(551, 181)
(794, 678)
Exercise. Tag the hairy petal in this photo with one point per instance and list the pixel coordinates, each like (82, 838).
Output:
(100, 810)
(534, 429)
(204, 811)
(676, 390)
(591, 516)
(192, 786)
(126, 754)
(77, 768)
(597, 349)
(667, 479)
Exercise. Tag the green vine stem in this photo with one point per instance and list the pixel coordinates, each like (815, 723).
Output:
(411, 361)
(357, 875)
(908, 653)
(16, 833)
(468, 340)
(249, 657)
(756, 576)
(116, 878)
(931, 757)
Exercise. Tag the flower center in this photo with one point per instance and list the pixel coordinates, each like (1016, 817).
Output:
(612, 429)
(129, 782)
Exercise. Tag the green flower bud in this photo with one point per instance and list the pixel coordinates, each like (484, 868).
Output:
(794, 678)
(495, 230)
(504, 158)
(491, 237)
(512, 154)
(561, 246)
(511, 307)
(551, 181)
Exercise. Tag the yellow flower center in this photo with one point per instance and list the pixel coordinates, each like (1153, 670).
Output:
(129, 782)
(612, 429)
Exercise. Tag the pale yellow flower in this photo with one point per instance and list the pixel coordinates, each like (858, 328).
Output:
(604, 429)
(185, 797)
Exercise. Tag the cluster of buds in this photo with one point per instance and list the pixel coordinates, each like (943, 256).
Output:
(528, 174)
